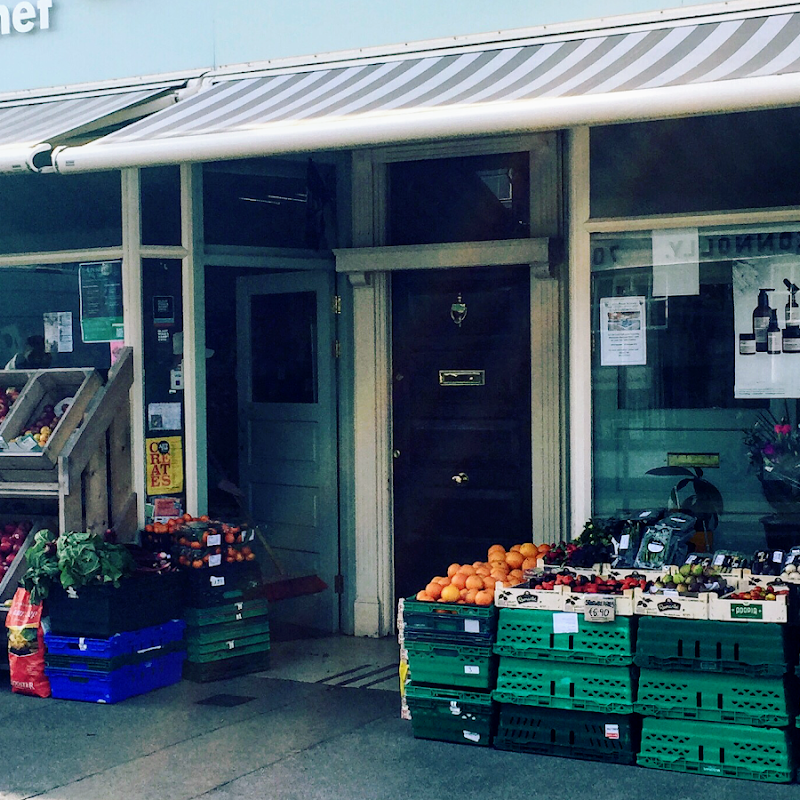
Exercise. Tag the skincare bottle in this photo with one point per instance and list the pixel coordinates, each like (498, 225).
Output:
(773, 333)
(792, 313)
(761, 317)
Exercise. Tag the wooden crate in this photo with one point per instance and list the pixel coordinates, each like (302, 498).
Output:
(42, 388)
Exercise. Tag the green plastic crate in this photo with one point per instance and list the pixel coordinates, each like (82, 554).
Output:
(215, 651)
(451, 715)
(568, 734)
(230, 612)
(256, 626)
(525, 633)
(740, 699)
(451, 664)
(202, 672)
(731, 751)
(579, 687)
(709, 646)
(452, 622)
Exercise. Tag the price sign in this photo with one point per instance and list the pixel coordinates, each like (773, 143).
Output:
(600, 609)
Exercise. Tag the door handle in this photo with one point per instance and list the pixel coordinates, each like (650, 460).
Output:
(461, 478)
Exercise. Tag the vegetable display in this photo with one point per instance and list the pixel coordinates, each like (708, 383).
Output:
(74, 559)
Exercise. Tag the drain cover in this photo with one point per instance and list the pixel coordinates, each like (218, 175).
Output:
(225, 700)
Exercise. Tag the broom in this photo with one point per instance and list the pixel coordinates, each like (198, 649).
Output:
(282, 586)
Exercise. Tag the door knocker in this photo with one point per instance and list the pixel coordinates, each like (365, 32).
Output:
(458, 311)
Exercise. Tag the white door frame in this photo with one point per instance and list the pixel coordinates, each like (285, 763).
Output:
(369, 271)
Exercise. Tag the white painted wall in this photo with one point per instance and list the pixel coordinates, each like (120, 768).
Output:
(93, 40)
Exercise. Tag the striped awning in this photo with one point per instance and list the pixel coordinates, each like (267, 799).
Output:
(692, 65)
(30, 128)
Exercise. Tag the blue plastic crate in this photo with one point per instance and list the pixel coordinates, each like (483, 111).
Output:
(120, 684)
(104, 655)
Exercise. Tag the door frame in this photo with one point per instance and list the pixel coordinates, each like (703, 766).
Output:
(369, 271)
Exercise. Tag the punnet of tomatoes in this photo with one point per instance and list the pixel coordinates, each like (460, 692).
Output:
(199, 542)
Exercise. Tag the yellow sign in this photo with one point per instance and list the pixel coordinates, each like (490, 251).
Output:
(165, 465)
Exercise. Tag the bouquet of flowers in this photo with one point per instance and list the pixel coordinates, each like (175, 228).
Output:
(773, 449)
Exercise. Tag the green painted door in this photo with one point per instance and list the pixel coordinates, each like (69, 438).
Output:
(287, 438)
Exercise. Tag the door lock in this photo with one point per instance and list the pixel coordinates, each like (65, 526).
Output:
(461, 478)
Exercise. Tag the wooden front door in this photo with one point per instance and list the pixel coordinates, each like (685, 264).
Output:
(461, 417)
(288, 463)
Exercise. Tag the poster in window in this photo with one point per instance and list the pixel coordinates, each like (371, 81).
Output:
(623, 331)
(164, 465)
(766, 313)
(100, 287)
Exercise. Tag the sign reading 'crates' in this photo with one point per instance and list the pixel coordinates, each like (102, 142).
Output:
(164, 465)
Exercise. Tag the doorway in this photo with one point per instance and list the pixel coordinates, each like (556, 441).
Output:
(272, 429)
(461, 392)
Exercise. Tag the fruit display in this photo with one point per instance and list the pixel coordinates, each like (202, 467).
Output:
(7, 398)
(11, 538)
(691, 579)
(199, 542)
(587, 584)
(592, 546)
(40, 428)
(770, 591)
(474, 584)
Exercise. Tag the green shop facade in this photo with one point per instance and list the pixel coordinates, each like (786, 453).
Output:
(400, 303)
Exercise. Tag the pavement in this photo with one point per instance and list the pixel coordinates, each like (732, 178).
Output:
(323, 723)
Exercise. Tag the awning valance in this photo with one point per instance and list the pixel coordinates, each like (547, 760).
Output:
(695, 65)
(30, 128)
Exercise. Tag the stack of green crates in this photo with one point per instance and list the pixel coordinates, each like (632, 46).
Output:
(715, 698)
(226, 640)
(452, 669)
(566, 685)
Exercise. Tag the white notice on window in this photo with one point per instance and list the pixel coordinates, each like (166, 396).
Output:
(58, 331)
(623, 331)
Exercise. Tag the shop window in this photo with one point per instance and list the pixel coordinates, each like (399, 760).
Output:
(719, 163)
(161, 205)
(40, 213)
(471, 199)
(43, 300)
(678, 379)
(265, 203)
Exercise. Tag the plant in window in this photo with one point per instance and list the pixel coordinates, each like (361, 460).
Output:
(773, 449)
(694, 494)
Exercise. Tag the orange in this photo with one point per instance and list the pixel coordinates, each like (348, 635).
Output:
(434, 590)
(484, 598)
(528, 549)
(489, 582)
(543, 548)
(467, 569)
(424, 596)
(450, 594)
(452, 569)
(514, 559)
(530, 563)
(474, 582)
(469, 599)
(459, 580)
(515, 548)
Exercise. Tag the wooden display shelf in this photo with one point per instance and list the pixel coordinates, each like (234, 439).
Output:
(86, 463)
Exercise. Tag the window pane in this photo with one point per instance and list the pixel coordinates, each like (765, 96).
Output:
(473, 199)
(692, 392)
(283, 336)
(719, 162)
(60, 212)
(262, 203)
(161, 205)
(43, 300)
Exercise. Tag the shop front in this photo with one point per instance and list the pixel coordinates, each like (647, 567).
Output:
(399, 307)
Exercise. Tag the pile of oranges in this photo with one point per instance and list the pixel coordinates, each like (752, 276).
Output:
(474, 584)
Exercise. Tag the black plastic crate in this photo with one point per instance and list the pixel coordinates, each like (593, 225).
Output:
(569, 734)
(451, 715)
(141, 601)
(228, 668)
(227, 583)
(449, 622)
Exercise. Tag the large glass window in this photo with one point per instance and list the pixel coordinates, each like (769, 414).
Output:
(42, 301)
(718, 162)
(161, 205)
(690, 360)
(471, 199)
(269, 203)
(40, 213)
